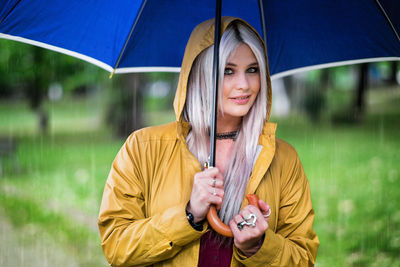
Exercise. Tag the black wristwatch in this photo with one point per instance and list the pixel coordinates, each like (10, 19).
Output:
(197, 226)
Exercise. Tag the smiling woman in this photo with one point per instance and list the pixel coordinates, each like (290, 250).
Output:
(157, 194)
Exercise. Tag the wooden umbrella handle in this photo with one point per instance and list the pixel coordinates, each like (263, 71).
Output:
(218, 225)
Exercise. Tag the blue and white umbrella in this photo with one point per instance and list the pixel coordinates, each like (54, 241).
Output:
(150, 35)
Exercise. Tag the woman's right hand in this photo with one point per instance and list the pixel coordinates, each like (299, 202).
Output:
(208, 188)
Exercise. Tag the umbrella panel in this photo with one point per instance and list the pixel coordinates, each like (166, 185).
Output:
(165, 27)
(310, 33)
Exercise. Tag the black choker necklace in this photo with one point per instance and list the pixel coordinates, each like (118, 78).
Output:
(228, 135)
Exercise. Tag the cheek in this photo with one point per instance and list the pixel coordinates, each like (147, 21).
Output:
(255, 84)
(256, 87)
(226, 89)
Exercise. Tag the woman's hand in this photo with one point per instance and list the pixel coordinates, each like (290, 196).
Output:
(249, 239)
(208, 188)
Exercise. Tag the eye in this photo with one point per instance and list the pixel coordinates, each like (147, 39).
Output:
(228, 71)
(253, 70)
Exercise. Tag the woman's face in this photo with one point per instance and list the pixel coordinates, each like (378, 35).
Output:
(241, 83)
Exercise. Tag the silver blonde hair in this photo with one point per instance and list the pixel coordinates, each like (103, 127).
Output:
(197, 112)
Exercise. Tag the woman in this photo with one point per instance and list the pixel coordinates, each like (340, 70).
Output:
(157, 195)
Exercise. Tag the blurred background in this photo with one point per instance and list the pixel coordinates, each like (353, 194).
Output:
(62, 121)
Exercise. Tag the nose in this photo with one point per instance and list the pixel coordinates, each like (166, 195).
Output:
(242, 82)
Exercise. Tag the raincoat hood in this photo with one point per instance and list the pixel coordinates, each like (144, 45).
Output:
(201, 38)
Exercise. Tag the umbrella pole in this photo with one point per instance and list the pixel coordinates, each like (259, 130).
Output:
(214, 110)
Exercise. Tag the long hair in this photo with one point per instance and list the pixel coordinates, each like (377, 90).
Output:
(197, 112)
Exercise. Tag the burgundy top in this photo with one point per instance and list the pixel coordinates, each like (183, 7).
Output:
(212, 253)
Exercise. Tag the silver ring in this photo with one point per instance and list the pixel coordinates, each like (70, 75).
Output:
(251, 216)
(214, 182)
(247, 222)
(241, 224)
(214, 192)
(267, 215)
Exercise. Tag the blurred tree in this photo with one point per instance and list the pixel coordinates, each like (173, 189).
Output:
(135, 92)
(307, 92)
(359, 100)
(125, 113)
(37, 85)
(314, 96)
(27, 71)
(393, 72)
(356, 83)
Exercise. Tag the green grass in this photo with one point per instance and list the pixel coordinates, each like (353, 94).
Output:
(353, 171)
(59, 188)
(355, 179)
(354, 175)
(55, 182)
(74, 238)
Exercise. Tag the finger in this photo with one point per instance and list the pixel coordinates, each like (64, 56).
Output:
(216, 191)
(249, 210)
(233, 224)
(205, 175)
(211, 171)
(245, 213)
(264, 207)
(219, 177)
(253, 209)
(261, 221)
(216, 201)
(214, 182)
(240, 235)
(237, 218)
(216, 197)
(250, 218)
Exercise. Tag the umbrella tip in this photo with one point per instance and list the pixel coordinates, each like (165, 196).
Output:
(112, 74)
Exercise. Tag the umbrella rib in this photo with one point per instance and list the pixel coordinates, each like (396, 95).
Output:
(129, 37)
(10, 11)
(262, 17)
(388, 19)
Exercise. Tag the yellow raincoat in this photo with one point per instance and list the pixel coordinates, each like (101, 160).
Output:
(142, 217)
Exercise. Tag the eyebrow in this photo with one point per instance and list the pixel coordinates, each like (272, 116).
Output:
(234, 65)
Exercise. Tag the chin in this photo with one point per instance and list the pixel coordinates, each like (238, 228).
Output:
(238, 112)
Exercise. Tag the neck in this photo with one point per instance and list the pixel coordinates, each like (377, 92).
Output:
(225, 124)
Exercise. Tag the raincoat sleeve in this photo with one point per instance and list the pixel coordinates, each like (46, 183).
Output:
(128, 236)
(294, 243)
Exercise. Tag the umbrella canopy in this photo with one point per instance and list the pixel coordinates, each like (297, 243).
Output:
(134, 36)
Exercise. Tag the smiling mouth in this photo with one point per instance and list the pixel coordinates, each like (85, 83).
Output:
(240, 99)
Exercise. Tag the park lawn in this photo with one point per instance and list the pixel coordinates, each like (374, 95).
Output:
(354, 177)
(353, 172)
(56, 181)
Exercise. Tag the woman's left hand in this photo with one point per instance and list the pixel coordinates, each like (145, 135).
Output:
(250, 238)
